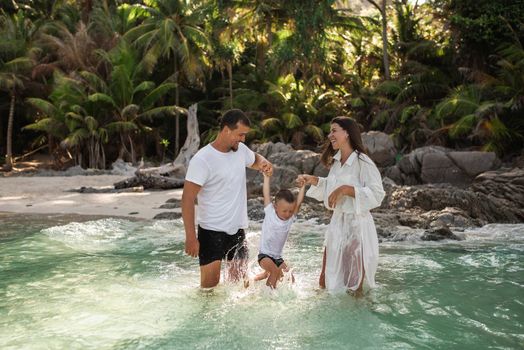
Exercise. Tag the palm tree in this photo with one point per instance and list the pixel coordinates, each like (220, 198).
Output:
(490, 109)
(382, 9)
(297, 116)
(127, 96)
(174, 31)
(68, 95)
(16, 33)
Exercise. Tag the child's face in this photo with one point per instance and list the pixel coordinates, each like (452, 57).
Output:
(284, 209)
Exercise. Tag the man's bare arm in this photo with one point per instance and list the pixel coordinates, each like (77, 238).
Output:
(189, 196)
(262, 164)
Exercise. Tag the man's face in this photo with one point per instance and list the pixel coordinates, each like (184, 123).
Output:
(237, 135)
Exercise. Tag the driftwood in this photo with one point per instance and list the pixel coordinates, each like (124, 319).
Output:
(151, 182)
(179, 166)
(110, 189)
(152, 178)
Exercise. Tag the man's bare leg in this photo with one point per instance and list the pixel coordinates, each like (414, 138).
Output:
(210, 274)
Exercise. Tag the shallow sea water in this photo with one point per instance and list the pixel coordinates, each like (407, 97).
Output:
(108, 283)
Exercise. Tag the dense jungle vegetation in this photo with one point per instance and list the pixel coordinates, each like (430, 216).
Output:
(107, 79)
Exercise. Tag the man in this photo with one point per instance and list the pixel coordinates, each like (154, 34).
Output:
(217, 176)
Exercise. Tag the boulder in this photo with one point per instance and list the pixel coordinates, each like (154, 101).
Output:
(438, 233)
(381, 148)
(474, 163)
(439, 168)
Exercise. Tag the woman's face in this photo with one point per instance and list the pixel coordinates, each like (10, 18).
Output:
(338, 136)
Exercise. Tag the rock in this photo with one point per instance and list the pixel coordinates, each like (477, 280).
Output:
(411, 164)
(168, 215)
(169, 206)
(506, 185)
(119, 167)
(439, 233)
(474, 163)
(381, 148)
(287, 165)
(266, 149)
(439, 168)
(434, 164)
(255, 209)
(173, 200)
(475, 205)
(394, 173)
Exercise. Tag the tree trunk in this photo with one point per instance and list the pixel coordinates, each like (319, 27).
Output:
(383, 13)
(177, 103)
(131, 146)
(269, 32)
(230, 75)
(9, 147)
(387, 75)
(179, 166)
(2, 142)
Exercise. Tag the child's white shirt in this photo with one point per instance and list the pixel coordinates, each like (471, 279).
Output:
(274, 232)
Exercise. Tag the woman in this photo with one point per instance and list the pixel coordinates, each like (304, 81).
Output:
(352, 188)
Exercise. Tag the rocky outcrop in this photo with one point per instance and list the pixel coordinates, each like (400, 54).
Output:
(287, 165)
(506, 185)
(434, 164)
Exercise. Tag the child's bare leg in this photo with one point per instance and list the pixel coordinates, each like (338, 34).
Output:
(261, 276)
(274, 272)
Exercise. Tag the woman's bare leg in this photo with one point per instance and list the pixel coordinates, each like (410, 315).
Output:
(322, 278)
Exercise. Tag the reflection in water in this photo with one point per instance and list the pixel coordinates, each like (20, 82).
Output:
(113, 283)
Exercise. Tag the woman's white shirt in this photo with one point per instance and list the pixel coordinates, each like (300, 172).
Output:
(358, 171)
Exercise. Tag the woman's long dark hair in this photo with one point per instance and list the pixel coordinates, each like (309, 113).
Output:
(355, 140)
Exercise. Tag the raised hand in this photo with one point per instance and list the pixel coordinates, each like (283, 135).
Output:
(266, 167)
(301, 181)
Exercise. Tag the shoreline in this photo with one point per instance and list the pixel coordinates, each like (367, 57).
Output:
(50, 195)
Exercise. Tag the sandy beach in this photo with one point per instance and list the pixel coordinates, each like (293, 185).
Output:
(49, 195)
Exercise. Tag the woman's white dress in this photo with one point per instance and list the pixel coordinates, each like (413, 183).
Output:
(351, 239)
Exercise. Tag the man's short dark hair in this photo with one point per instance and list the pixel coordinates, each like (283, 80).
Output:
(286, 195)
(232, 117)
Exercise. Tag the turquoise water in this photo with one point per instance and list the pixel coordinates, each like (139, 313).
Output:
(87, 283)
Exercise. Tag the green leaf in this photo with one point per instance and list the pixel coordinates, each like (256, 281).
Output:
(463, 125)
(100, 97)
(315, 132)
(42, 105)
(291, 120)
(156, 94)
(271, 123)
(143, 86)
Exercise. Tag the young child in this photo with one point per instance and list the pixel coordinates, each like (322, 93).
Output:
(277, 222)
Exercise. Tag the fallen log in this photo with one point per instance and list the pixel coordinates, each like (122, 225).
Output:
(151, 182)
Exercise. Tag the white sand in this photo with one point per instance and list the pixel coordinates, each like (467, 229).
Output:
(48, 195)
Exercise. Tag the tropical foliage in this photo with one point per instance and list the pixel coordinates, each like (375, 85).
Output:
(106, 79)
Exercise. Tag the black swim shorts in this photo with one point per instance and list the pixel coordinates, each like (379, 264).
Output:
(277, 262)
(217, 245)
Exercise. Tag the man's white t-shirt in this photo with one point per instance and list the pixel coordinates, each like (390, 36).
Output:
(274, 232)
(222, 200)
